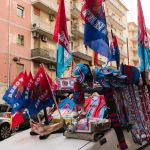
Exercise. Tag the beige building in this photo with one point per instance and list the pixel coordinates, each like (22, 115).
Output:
(116, 15)
(133, 44)
(43, 21)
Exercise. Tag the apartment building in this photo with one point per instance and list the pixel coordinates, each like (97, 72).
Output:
(15, 40)
(133, 44)
(43, 48)
(116, 15)
(27, 27)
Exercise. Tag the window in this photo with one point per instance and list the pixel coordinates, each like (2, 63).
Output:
(20, 11)
(19, 68)
(20, 40)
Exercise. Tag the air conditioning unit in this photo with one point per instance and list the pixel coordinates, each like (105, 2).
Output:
(51, 17)
(51, 67)
(44, 38)
(36, 34)
(35, 25)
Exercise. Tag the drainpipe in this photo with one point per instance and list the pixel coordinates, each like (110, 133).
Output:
(9, 48)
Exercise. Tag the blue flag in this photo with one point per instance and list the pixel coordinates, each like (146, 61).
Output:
(143, 45)
(95, 29)
(114, 53)
(64, 59)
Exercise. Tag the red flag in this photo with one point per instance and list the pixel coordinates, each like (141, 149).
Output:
(41, 86)
(95, 58)
(141, 22)
(93, 5)
(60, 32)
(16, 119)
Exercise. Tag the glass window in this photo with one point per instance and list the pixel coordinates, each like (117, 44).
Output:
(20, 40)
(20, 11)
(19, 68)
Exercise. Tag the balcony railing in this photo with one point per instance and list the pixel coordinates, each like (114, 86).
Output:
(77, 29)
(113, 20)
(48, 6)
(43, 55)
(135, 58)
(42, 27)
(79, 53)
(116, 6)
(75, 9)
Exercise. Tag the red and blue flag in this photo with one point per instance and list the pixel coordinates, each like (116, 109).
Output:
(114, 53)
(41, 93)
(64, 55)
(143, 45)
(95, 29)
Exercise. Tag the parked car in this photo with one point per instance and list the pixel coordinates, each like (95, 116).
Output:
(5, 115)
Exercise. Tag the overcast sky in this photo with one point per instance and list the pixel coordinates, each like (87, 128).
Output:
(132, 13)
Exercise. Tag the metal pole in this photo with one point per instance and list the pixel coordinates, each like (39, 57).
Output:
(128, 51)
(45, 116)
(9, 48)
(143, 74)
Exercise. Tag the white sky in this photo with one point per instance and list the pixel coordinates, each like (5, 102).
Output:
(132, 13)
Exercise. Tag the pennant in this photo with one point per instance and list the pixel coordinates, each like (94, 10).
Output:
(143, 45)
(114, 53)
(60, 31)
(22, 97)
(15, 89)
(95, 29)
(41, 93)
(16, 119)
(64, 56)
(64, 59)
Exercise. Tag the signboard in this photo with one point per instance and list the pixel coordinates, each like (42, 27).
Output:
(66, 83)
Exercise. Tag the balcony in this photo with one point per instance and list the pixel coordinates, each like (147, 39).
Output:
(112, 20)
(115, 6)
(135, 58)
(43, 56)
(134, 49)
(79, 54)
(120, 38)
(123, 55)
(48, 6)
(78, 30)
(134, 39)
(42, 28)
(75, 10)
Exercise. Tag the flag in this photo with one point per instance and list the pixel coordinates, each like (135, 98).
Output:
(64, 59)
(41, 93)
(16, 119)
(95, 29)
(64, 56)
(15, 89)
(114, 53)
(143, 45)
(22, 100)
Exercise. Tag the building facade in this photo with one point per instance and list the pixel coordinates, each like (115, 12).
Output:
(27, 27)
(15, 39)
(116, 15)
(133, 45)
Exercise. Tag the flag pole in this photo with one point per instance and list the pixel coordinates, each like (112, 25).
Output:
(143, 73)
(128, 51)
(53, 95)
